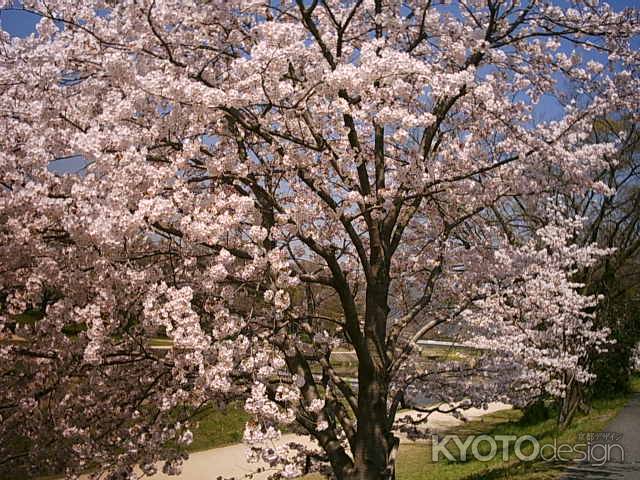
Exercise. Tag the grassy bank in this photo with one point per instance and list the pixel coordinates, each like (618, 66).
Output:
(220, 428)
(414, 460)
(217, 428)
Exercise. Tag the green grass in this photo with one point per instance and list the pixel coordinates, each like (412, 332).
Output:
(160, 342)
(217, 428)
(414, 460)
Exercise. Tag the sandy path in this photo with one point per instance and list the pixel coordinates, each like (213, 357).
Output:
(231, 461)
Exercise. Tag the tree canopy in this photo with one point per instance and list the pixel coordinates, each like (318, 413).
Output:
(248, 166)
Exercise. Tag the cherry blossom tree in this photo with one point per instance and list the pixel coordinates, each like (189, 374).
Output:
(635, 360)
(246, 164)
(609, 218)
(614, 221)
(535, 302)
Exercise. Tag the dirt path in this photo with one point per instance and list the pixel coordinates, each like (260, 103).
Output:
(231, 461)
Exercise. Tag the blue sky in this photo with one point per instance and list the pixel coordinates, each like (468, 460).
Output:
(21, 24)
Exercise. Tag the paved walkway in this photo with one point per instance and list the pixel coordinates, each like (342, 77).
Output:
(623, 430)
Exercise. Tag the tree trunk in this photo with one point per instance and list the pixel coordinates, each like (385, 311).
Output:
(375, 446)
(569, 404)
(372, 439)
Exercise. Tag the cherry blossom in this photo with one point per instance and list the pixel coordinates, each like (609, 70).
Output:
(266, 184)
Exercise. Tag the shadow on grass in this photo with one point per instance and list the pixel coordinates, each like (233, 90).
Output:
(518, 470)
(415, 462)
